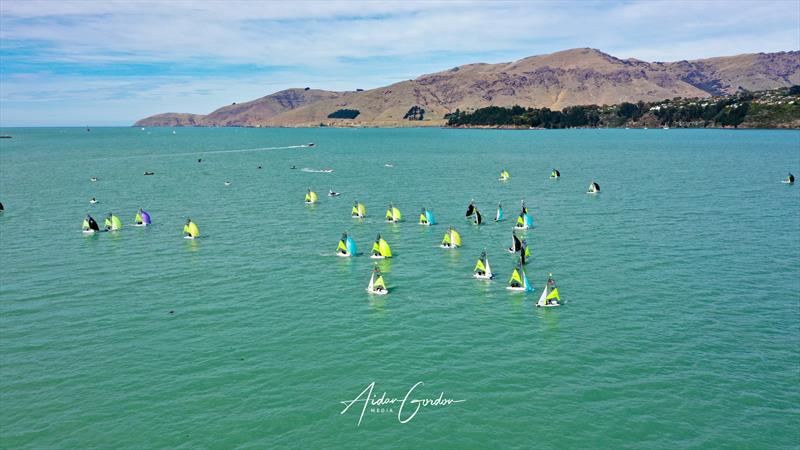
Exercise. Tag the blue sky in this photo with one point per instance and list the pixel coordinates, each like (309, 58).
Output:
(112, 62)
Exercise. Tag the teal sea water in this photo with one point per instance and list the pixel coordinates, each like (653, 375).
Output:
(680, 329)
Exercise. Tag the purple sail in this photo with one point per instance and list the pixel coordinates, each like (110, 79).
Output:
(145, 217)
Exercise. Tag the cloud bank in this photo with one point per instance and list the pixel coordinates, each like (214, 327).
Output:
(78, 62)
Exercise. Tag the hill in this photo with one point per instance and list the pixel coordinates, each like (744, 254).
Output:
(572, 77)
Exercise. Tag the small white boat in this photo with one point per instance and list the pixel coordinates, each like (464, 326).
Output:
(549, 297)
(376, 284)
(482, 270)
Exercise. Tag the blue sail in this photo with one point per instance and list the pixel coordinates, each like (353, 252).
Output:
(528, 287)
(145, 217)
(429, 216)
(351, 245)
(528, 220)
(499, 216)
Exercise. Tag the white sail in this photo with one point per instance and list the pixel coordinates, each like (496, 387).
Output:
(488, 268)
(543, 298)
(371, 282)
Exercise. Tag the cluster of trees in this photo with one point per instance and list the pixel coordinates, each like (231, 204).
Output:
(344, 114)
(415, 113)
(573, 116)
(727, 111)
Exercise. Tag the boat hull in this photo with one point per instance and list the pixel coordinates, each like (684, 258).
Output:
(483, 277)
(374, 292)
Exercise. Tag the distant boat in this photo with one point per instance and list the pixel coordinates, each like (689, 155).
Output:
(5, 136)
(499, 216)
(594, 188)
(112, 223)
(504, 175)
(359, 210)
(549, 297)
(227, 183)
(482, 270)
(426, 217)
(311, 197)
(393, 214)
(555, 174)
(377, 285)
(93, 201)
(310, 170)
(388, 165)
(149, 173)
(142, 218)
(789, 179)
(524, 221)
(310, 144)
(331, 193)
(347, 246)
(472, 211)
(190, 230)
(90, 225)
(451, 239)
(519, 280)
(380, 249)
(93, 179)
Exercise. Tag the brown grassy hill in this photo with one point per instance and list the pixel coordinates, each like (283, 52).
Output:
(571, 77)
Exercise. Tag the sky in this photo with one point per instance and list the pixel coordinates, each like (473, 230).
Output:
(106, 63)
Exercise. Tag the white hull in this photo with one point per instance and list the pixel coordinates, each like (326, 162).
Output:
(89, 231)
(425, 224)
(521, 228)
(189, 237)
(547, 306)
(483, 277)
(310, 203)
(449, 247)
(139, 225)
(377, 256)
(374, 292)
(517, 289)
(357, 217)
(592, 193)
(787, 182)
(343, 255)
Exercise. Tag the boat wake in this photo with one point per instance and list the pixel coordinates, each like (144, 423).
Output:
(310, 170)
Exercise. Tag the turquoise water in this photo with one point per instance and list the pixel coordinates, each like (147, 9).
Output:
(680, 329)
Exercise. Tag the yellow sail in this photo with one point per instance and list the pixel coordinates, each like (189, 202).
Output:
(341, 247)
(138, 218)
(354, 211)
(85, 224)
(379, 282)
(376, 249)
(554, 295)
(423, 219)
(446, 240)
(515, 277)
(386, 252)
(311, 197)
(186, 229)
(396, 213)
(116, 224)
(520, 222)
(479, 266)
(389, 214)
(192, 229)
(527, 251)
(456, 238)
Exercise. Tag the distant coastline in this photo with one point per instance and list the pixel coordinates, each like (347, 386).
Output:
(559, 80)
